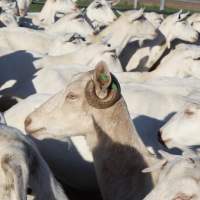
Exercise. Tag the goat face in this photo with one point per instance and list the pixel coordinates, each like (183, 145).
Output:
(139, 27)
(183, 128)
(100, 11)
(176, 27)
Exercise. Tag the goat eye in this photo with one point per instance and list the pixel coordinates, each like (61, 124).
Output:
(71, 96)
(188, 112)
(98, 5)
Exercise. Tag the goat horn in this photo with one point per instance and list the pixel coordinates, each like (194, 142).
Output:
(114, 94)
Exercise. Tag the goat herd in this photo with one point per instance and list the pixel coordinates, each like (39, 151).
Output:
(132, 133)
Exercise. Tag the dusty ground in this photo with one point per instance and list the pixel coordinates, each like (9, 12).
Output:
(174, 4)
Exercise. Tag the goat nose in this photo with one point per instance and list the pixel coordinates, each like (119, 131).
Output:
(27, 121)
(160, 138)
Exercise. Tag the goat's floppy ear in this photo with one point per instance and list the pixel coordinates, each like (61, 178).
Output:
(102, 78)
(182, 196)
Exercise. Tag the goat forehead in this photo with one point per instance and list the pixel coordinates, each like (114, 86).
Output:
(78, 77)
(78, 80)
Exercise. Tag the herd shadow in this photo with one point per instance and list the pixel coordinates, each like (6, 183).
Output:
(148, 127)
(68, 159)
(17, 67)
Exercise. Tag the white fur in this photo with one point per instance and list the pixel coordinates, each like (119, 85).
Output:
(23, 167)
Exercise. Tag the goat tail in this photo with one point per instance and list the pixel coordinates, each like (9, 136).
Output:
(16, 176)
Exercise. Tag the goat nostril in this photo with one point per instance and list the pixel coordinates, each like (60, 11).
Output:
(27, 121)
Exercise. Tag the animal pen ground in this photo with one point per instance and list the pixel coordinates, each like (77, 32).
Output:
(171, 6)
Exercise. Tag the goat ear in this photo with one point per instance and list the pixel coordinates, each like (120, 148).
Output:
(182, 196)
(102, 75)
(136, 14)
(178, 15)
(185, 15)
(156, 167)
(102, 79)
(168, 156)
(182, 16)
(113, 2)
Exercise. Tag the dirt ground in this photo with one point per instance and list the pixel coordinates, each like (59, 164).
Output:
(174, 4)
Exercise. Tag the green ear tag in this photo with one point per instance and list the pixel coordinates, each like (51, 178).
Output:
(114, 87)
(103, 77)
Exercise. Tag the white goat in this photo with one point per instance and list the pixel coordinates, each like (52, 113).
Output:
(183, 128)
(83, 56)
(22, 166)
(181, 62)
(155, 18)
(19, 38)
(133, 26)
(133, 23)
(100, 13)
(51, 8)
(23, 6)
(179, 177)
(194, 21)
(66, 44)
(70, 23)
(108, 129)
(9, 6)
(15, 7)
(165, 96)
(173, 27)
(8, 20)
